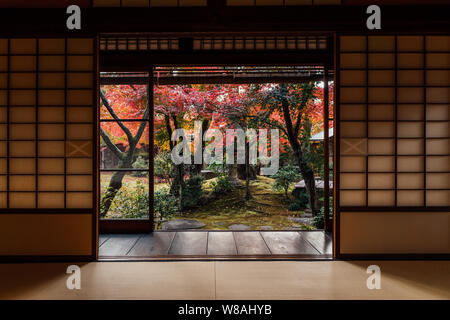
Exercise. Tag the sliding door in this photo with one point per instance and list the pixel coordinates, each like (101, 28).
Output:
(393, 194)
(48, 99)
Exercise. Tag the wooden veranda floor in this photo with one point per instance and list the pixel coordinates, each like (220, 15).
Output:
(217, 244)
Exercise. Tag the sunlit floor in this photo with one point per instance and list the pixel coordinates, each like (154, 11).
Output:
(228, 280)
(297, 244)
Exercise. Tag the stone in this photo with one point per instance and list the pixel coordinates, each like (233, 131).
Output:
(182, 224)
(238, 227)
(294, 228)
(266, 228)
(208, 174)
(236, 183)
(319, 184)
(306, 220)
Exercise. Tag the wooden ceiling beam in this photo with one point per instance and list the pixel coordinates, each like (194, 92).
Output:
(428, 18)
(209, 80)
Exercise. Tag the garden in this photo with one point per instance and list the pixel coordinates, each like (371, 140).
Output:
(219, 194)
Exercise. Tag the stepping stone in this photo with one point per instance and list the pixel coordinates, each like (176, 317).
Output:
(307, 213)
(238, 227)
(302, 220)
(182, 224)
(236, 182)
(266, 228)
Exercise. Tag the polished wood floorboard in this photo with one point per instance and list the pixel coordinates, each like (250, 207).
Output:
(102, 238)
(320, 241)
(118, 244)
(287, 243)
(315, 244)
(157, 243)
(221, 243)
(250, 243)
(189, 243)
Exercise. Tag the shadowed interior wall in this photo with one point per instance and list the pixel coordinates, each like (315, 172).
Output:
(394, 136)
(395, 232)
(47, 146)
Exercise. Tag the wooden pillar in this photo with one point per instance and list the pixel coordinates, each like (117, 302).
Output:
(326, 152)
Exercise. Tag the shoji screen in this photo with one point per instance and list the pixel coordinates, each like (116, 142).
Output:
(47, 146)
(394, 139)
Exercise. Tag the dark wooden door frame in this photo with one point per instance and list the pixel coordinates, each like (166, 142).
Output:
(134, 225)
(144, 62)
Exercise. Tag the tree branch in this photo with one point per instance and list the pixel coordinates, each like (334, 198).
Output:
(175, 122)
(297, 124)
(286, 114)
(111, 145)
(115, 117)
(169, 130)
(141, 129)
(276, 125)
(307, 94)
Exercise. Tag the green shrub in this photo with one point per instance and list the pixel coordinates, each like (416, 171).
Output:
(218, 168)
(192, 191)
(165, 205)
(163, 166)
(140, 163)
(285, 177)
(294, 206)
(222, 184)
(300, 202)
(319, 219)
(131, 202)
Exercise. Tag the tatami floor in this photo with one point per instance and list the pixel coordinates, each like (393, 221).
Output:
(301, 244)
(228, 280)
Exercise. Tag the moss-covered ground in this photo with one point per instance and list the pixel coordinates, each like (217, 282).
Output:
(266, 207)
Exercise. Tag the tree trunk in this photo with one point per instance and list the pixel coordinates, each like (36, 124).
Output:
(180, 175)
(242, 172)
(199, 167)
(306, 170)
(310, 184)
(126, 159)
(177, 180)
(247, 172)
(178, 185)
(114, 186)
(307, 173)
